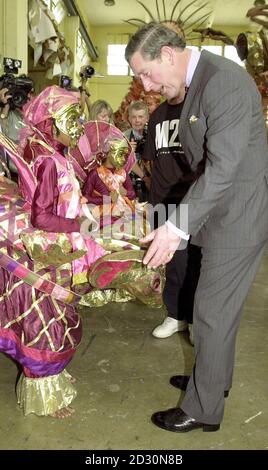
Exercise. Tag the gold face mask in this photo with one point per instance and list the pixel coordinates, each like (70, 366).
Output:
(67, 122)
(118, 153)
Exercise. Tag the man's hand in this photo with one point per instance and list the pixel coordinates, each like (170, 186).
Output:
(133, 145)
(4, 96)
(164, 244)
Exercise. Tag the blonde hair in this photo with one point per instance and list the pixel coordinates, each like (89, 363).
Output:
(97, 107)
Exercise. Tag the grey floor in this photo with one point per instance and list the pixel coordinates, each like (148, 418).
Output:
(123, 377)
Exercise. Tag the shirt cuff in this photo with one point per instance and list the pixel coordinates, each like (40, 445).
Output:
(181, 233)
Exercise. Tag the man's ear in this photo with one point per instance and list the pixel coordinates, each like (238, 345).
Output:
(167, 54)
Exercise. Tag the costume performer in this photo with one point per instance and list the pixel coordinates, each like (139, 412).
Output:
(40, 328)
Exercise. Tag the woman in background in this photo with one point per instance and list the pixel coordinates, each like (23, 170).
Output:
(100, 110)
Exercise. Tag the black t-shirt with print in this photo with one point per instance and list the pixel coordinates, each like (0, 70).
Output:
(171, 174)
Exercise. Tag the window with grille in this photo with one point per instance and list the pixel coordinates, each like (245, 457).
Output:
(116, 63)
(81, 49)
(58, 9)
(229, 52)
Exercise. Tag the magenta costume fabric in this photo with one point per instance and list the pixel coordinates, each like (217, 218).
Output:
(94, 183)
(92, 145)
(37, 329)
(55, 204)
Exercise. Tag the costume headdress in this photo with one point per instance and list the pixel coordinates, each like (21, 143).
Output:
(95, 144)
(54, 104)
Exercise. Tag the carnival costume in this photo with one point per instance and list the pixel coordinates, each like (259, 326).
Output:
(106, 176)
(120, 274)
(39, 327)
(44, 258)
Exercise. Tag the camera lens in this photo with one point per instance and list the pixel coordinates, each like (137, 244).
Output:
(90, 71)
(19, 98)
(65, 81)
(87, 72)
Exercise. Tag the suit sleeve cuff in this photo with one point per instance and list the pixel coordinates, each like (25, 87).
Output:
(181, 233)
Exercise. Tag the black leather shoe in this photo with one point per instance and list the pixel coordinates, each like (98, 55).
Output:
(176, 420)
(181, 382)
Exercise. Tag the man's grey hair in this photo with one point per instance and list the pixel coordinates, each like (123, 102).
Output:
(138, 106)
(149, 40)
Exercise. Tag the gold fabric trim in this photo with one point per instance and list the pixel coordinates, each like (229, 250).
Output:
(98, 298)
(79, 278)
(255, 58)
(45, 251)
(67, 331)
(27, 312)
(43, 321)
(44, 396)
(7, 293)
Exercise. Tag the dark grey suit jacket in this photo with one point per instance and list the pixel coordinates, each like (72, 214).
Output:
(223, 134)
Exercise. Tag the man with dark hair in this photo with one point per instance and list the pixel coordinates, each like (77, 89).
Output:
(222, 133)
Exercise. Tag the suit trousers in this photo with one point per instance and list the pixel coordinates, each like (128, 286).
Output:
(182, 274)
(225, 278)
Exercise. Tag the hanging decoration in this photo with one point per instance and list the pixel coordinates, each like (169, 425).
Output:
(185, 15)
(190, 15)
(251, 46)
(47, 41)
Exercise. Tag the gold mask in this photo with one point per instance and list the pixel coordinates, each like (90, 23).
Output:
(67, 122)
(118, 153)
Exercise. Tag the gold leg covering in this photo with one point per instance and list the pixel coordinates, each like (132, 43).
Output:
(46, 395)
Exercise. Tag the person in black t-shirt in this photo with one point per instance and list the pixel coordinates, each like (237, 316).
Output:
(171, 179)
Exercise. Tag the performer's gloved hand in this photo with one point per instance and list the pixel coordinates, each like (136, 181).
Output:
(122, 191)
(85, 225)
(83, 200)
(114, 196)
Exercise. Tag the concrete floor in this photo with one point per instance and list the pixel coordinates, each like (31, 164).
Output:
(123, 377)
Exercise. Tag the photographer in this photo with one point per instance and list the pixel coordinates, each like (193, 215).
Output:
(11, 121)
(138, 116)
(14, 93)
(86, 72)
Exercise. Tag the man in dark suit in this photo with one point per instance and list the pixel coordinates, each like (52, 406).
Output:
(225, 210)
